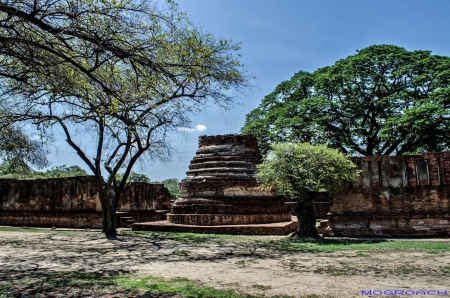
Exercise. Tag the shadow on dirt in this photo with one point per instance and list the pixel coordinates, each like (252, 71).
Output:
(46, 283)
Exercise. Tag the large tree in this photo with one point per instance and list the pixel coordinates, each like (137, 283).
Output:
(384, 100)
(298, 171)
(116, 77)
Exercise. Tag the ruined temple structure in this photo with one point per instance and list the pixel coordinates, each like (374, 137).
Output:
(221, 195)
(395, 196)
(74, 203)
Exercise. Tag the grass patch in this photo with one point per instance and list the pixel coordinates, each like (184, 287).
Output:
(362, 255)
(27, 230)
(184, 237)
(219, 239)
(331, 245)
(43, 283)
(181, 252)
(46, 231)
(445, 270)
(261, 287)
(307, 244)
(277, 243)
(181, 286)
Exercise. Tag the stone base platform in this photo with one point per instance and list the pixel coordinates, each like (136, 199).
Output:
(279, 228)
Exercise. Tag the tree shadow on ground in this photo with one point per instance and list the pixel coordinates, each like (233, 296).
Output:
(46, 283)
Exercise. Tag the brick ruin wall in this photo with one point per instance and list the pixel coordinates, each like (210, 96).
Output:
(73, 202)
(395, 196)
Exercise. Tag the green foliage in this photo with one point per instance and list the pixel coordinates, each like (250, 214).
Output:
(137, 177)
(16, 169)
(64, 171)
(18, 152)
(26, 173)
(133, 177)
(172, 185)
(296, 169)
(383, 100)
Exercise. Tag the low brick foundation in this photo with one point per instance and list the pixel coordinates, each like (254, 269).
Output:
(279, 228)
(52, 219)
(226, 219)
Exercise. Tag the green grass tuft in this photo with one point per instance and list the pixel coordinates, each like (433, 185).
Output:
(331, 245)
(181, 286)
(27, 230)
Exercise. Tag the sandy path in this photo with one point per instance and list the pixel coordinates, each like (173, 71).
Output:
(249, 268)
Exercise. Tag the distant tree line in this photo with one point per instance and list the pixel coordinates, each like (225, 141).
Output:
(23, 171)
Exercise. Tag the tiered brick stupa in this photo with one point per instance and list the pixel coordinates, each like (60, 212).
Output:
(221, 195)
(221, 188)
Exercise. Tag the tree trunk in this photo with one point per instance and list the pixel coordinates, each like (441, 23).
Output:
(109, 199)
(306, 218)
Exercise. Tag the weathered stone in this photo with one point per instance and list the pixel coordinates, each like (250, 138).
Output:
(395, 196)
(74, 202)
(221, 188)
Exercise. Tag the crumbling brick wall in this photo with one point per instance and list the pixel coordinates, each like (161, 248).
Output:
(398, 196)
(72, 202)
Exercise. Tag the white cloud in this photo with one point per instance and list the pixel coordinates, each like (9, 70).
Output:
(199, 127)
(186, 129)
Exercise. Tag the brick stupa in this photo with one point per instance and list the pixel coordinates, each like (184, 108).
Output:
(221, 195)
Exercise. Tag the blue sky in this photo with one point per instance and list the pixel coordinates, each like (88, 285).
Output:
(280, 38)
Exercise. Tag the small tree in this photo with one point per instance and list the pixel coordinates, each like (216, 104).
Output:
(298, 170)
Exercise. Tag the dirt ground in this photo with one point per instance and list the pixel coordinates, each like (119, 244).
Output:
(247, 267)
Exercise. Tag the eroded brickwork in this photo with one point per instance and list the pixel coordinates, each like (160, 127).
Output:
(398, 196)
(74, 202)
(221, 188)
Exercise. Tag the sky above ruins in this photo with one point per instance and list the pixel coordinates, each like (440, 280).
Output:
(280, 38)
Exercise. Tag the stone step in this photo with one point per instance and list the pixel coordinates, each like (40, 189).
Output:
(223, 154)
(224, 148)
(221, 164)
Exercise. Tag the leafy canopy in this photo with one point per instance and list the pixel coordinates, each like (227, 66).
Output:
(123, 74)
(18, 152)
(297, 169)
(384, 100)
